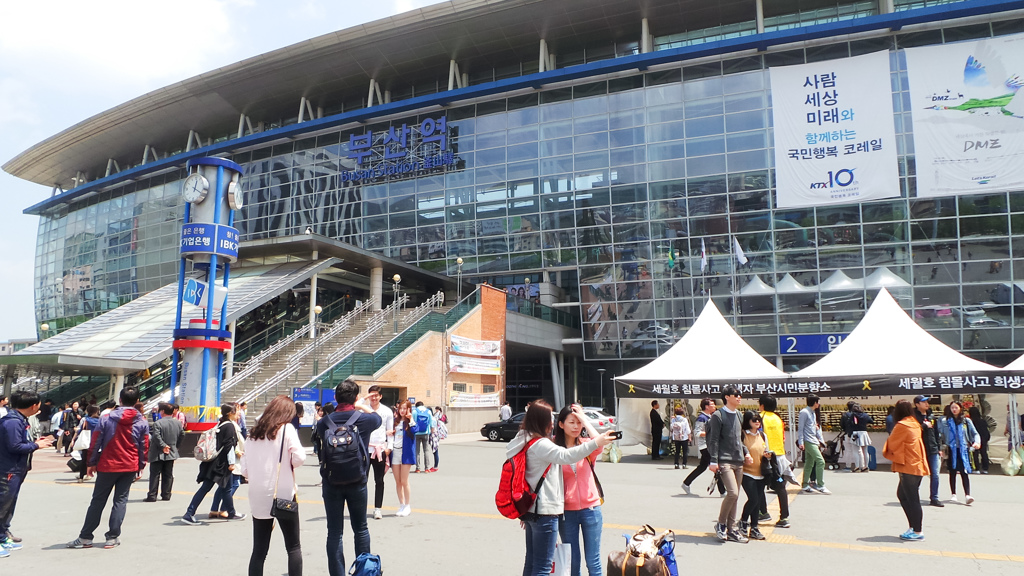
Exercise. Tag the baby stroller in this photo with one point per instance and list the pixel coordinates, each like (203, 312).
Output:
(832, 452)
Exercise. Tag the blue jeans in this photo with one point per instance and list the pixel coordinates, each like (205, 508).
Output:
(218, 497)
(934, 462)
(204, 489)
(119, 483)
(591, 521)
(10, 487)
(541, 537)
(335, 499)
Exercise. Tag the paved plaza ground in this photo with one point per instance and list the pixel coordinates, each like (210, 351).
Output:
(455, 530)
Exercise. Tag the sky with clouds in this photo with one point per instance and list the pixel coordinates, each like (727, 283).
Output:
(62, 61)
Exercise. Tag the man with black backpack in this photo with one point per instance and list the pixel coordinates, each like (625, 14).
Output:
(345, 462)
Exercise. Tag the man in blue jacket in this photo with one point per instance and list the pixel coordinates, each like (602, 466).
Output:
(15, 448)
(424, 420)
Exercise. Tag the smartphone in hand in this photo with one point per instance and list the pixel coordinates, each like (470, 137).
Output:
(617, 434)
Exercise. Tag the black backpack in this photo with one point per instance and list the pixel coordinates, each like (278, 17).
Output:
(345, 458)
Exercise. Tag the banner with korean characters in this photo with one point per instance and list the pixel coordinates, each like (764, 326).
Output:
(476, 347)
(466, 400)
(468, 365)
(834, 136)
(968, 114)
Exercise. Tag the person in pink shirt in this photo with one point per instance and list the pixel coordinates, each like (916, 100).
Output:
(583, 494)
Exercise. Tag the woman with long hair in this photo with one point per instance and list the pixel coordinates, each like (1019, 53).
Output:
(981, 454)
(905, 449)
(271, 457)
(960, 437)
(403, 456)
(753, 480)
(88, 424)
(217, 472)
(859, 437)
(218, 508)
(582, 492)
(541, 522)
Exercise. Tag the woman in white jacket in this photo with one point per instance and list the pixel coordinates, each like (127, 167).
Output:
(271, 455)
(541, 523)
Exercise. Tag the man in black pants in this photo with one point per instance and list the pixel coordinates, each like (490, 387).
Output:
(707, 408)
(657, 426)
(932, 444)
(381, 442)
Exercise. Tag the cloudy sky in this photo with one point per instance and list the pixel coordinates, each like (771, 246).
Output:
(62, 61)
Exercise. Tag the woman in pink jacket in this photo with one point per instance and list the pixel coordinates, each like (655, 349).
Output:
(582, 492)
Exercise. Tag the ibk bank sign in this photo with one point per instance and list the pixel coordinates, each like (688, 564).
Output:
(401, 151)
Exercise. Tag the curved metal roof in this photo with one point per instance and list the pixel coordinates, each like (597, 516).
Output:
(416, 45)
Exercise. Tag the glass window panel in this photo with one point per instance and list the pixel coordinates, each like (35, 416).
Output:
(667, 131)
(984, 226)
(555, 165)
(403, 220)
(525, 134)
(556, 147)
(666, 113)
(705, 146)
(751, 222)
(522, 206)
(552, 130)
(701, 108)
(667, 150)
(885, 232)
(705, 165)
(746, 201)
(523, 152)
(663, 94)
(742, 121)
(707, 205)
(490, 209)
(523, 170)
(747, 141)
(588, 106)
(628, 137)
(626, 119)
(591, 142)
(705, 126)
(668, 170)
(489, 157)
(745, 101)
(625, 156)
(492, 140)
(590, 124)
(554, 112)
(743, 161)
(522, 117)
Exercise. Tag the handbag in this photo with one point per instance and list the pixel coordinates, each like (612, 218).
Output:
(561, 561)
(600, 490)
(84, 439)
(75, 464)
(284, 509)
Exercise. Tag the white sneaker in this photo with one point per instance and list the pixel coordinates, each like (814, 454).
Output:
(970, 500)
(823, 490)
(403, 510)
(376, 514)
(686, 488)
(953, 499)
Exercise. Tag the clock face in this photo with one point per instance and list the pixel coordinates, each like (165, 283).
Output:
(236, 198)
(194, 188)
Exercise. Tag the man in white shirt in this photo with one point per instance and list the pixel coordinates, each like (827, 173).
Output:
(505, 412)
(381, 442)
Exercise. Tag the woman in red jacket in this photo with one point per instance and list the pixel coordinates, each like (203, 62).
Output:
(906, 451)
(582, 492)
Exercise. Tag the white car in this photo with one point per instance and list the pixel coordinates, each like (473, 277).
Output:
(602, 422)
(968, 311)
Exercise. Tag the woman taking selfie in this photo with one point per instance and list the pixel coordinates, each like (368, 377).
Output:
(582, 492)
(541, 522)
(272, 454)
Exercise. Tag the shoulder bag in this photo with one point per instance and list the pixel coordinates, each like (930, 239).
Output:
(600, 491)
(284, 509)
(84, 439)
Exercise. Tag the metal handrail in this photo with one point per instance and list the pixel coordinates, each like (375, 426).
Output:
(292, 367)
(341, 325)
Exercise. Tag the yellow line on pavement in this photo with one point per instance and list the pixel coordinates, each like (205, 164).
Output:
(771, 536)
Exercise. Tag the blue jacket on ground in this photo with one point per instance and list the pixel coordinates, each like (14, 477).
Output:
(15, 445)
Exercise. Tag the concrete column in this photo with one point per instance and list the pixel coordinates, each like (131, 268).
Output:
(886, 7)
(229, 357)
(645, 37)
(118, 383)
(760, 15)
(8, 379)
(376, 286)
(556, 381)
(542, 61)
(312, 305)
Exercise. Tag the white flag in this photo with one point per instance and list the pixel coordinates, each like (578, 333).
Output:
(740, 257)
(703, 257)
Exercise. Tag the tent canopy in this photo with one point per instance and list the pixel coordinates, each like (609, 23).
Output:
(789, 285)
(886, 354)
(839, 281)
(757, 287)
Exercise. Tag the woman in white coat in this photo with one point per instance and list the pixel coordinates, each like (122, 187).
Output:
(272, 453)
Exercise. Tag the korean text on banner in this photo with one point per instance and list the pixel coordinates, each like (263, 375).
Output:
(464, 400)
(834, 136)
(467, 365)
(476, 347)
(968, 115)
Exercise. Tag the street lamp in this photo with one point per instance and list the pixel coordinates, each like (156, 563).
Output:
(44, 328)
(316, 339)
(458, 274)
(601, 371)
(397, 279)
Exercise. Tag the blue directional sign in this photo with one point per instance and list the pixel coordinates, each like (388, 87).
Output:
(810, 343)
(194, 291)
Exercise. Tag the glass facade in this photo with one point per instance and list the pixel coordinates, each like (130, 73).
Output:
(619, 184)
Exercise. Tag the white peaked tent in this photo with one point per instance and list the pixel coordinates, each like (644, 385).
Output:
(839, 282)
(708, 357)
(789, 285)
(889, 354)
(884, 278)
(757, 287)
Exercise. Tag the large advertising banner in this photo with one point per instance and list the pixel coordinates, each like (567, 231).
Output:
(476, 347)
(469, 365)
(968, 116)
(834, 136)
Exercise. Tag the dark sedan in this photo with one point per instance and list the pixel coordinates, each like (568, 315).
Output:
(504, 430)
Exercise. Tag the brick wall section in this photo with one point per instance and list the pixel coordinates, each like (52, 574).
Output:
(420, 372)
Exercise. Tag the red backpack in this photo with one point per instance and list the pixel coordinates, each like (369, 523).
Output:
(514, 497)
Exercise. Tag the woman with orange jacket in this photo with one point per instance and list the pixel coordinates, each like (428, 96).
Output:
(905, 450)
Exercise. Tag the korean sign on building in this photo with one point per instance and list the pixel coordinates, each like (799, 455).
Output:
(968, 115)
(401, 150)
(834, 136)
